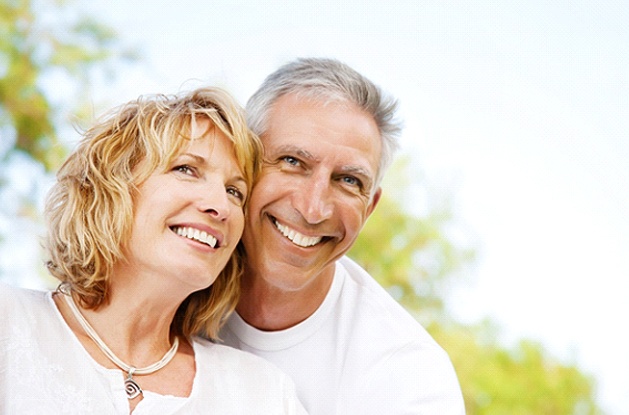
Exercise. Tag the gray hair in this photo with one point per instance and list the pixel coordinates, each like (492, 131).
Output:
(330, 80)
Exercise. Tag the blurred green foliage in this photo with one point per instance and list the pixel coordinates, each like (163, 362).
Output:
(518, 380)
(36, 40)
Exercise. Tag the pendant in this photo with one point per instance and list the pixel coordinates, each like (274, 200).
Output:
(131, 387)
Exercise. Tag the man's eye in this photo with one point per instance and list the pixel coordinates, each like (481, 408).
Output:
(352, 181)
(291, 160)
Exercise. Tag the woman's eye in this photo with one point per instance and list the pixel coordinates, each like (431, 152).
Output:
(185, 169)
(234, 191)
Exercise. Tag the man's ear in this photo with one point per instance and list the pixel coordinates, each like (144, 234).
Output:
(374, 201)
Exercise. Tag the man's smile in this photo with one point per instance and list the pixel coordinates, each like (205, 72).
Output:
(295, 237)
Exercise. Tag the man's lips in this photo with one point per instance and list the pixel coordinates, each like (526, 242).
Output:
(295, 237)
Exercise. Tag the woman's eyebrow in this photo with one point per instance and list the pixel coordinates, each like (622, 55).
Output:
(195, 157)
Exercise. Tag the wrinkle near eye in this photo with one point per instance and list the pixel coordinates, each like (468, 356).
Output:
(269, 162)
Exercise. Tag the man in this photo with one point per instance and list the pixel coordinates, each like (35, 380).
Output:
(328, 135)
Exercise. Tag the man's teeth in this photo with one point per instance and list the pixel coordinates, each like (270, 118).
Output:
(296, 237)
(196, 235)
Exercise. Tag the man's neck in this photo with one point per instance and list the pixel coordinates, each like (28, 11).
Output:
(267, 307)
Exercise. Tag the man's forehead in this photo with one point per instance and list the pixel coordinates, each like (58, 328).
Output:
(315, 130)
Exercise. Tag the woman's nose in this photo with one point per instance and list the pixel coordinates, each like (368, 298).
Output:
(215, 201)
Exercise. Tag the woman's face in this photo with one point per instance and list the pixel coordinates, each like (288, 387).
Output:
(189, 219)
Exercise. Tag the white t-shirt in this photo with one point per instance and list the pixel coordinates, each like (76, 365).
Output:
(359, 353)
(44, 369)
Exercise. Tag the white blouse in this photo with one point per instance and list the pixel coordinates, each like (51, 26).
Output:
(44, 369)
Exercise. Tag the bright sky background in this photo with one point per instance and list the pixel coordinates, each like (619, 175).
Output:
(520, 111)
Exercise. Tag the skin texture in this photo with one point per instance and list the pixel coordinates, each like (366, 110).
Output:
(316, 187)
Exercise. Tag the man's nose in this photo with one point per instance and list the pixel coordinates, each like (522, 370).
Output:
(314, 200)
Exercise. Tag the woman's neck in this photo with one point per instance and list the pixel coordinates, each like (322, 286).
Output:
(134, 323)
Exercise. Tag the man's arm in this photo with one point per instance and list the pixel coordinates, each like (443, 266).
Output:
(414, 380)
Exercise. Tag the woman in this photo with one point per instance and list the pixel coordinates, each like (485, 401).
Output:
(144, 225)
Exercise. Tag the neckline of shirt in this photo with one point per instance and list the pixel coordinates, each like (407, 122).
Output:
(283, 339)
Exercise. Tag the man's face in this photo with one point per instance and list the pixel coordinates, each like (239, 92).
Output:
(314, 193)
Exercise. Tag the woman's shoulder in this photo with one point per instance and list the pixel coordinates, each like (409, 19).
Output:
(12, 297)
(232, 359)
(22, 309)
(260, 385)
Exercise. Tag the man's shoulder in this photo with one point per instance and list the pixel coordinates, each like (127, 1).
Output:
(388, 348)
(369, 296)
(375, 311)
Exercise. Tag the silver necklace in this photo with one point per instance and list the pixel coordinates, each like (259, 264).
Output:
(131, 387)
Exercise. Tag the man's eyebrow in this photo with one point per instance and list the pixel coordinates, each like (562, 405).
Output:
(290, 149)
